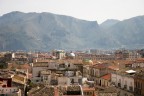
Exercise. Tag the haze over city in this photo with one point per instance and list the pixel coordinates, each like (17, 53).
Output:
(93, 10)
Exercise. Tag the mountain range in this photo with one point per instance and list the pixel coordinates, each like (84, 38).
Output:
(47, 31)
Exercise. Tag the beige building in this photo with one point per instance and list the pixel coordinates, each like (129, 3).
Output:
(106, 80)
(98, 70)
(37, 72)
(9, 91)
(124, 81)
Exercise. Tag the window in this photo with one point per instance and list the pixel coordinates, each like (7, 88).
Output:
(72, 81)
(68, 65)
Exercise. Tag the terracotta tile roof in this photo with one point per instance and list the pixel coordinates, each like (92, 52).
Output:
(113, 67)
(40, 64)
(73, 88)
(140, 60)
(88, 89)
(43, 91)
(107, 77)
(109, 90)
(128, 63)
(18, 79)
(26, 66)
(99, 66)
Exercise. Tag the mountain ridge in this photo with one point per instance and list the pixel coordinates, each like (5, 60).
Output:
(47, 31)
(108, 23)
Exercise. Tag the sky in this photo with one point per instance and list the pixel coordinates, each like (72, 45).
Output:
(92, 10)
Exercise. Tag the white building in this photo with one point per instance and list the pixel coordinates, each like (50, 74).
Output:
(36, 71)
(124, 81)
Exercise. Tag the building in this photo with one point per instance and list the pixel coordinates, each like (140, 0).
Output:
(6, 87)
(42, 91)
(139, 83)
(82, 56)
(70, 90)
(59, 54)
(37, 69)
(53, 73)
(106, 80)
(87, 91)
(127, 54)
(124, 82)
(20, 57)
(110, 91)
(97, 70)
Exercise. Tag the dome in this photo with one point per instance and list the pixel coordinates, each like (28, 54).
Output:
(87, 61)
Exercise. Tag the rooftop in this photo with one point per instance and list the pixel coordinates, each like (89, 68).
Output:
(40, 64)
(109, 90)
(18, 79)
(42, 91)
(88, 89)
(113, 67)
(106, 77)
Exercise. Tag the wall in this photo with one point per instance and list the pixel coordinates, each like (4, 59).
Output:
(8, 90)
(123, 80)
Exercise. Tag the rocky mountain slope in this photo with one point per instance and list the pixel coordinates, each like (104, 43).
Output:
(47, 31)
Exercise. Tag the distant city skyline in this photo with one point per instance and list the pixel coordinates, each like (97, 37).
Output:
(92, 10)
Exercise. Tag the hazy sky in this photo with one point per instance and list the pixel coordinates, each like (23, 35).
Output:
(98, 10)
